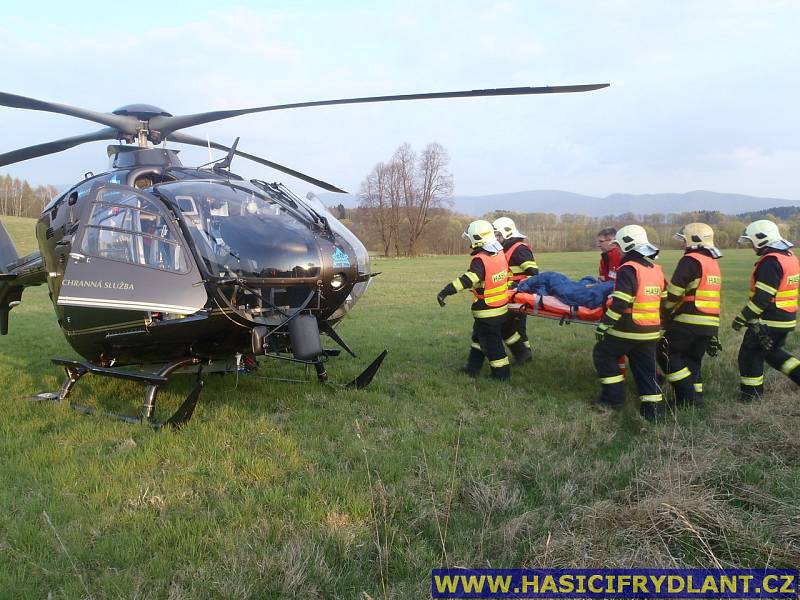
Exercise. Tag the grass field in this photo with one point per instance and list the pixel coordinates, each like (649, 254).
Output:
(301, 491)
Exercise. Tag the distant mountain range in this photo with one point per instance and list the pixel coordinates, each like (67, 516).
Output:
(560, 202)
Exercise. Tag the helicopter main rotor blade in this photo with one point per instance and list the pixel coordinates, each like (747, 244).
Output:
(15, 156)
(188, 139)
(167, 125)
(125, 124)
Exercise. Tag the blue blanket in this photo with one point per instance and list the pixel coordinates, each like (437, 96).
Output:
(587, 291)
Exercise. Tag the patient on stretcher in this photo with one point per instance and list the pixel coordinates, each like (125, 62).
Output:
(587, 291)
(554, 295)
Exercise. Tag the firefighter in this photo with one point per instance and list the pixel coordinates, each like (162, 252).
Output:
(771, 311)
(610, 254)
(631, 326)
(521, 264)
(487, 279)
(691, 314)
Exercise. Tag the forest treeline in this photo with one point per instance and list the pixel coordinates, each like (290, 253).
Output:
(19, 199)
(553, 233)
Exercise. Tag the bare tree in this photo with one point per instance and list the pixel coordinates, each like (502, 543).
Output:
(375, 199)
(433, 187)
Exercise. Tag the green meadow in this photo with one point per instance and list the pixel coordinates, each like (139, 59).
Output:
(278, 490)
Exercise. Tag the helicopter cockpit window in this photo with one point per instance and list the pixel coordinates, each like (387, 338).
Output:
(243, 233)
(127, 227)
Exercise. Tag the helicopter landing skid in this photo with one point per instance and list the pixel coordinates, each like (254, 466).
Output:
(76, 369)
(359, 383)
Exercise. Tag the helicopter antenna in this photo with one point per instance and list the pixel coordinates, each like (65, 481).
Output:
(225, 163)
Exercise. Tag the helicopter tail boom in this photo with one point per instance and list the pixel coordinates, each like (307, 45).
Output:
(15, 275)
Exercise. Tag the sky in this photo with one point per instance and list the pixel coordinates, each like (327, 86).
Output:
(704, 94)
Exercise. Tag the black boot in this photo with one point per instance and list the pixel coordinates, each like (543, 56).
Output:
(653, 411)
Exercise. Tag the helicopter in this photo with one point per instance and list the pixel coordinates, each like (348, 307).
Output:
(156, 264)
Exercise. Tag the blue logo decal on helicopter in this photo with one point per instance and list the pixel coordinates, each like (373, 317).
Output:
(340, 258)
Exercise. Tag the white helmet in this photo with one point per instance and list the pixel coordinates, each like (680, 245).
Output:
(634, 237)
(698, 235)
(480, 234)
(763, 234)
(506, 228)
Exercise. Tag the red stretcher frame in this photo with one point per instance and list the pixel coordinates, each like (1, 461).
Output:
(551, 307)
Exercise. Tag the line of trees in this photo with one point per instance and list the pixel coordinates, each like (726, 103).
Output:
(19, 199)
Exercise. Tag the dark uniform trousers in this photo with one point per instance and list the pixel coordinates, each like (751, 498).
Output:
(642, 359)
(515, 335)
(752, 357)
(487, 341)
(680, 356)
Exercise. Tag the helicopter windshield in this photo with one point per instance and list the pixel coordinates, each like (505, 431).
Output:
(240, 232)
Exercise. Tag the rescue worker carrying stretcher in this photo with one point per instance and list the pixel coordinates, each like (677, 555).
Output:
(631, 326)
(521, 264)
(771, 311)
(487, 279)
(690, 314)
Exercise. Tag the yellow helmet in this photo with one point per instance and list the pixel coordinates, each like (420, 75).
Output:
(480, 234)
(762, 234)
(506, 227)
(698, 235)
(634, 237)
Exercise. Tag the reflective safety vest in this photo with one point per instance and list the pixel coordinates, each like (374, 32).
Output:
(494, 291)
(786, 297)
(703, 293)
(517, 272)
(646, 308)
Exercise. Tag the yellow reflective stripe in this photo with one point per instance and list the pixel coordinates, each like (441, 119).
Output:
(669, 305)
(457, 284)
(473, 277)
(780, 324)
(500, 362)
(767, 288)
(707, 294)
(787, 294)
(697, 319)
(612, 314)
(706, 304)
(628, 335)
(789, 365)
(529, 264)
(476, 346)
(652, 398)
(513, 339)
(645, 305)
(622, 296)
(754, 308)
(489, 312)
(693, 284)
(698, 387)
(752, 381)
(516, 270)
(612, 379)
(675, 290)
(526, 343)
(678, 375)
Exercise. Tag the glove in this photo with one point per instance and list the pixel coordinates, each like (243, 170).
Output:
(440, 298)
(714, 347)
(764, 339)
(738, 323)
(600, 332)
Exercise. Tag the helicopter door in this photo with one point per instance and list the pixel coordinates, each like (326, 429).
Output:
(128, 254)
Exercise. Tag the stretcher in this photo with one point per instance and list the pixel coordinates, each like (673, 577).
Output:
(550, 307)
